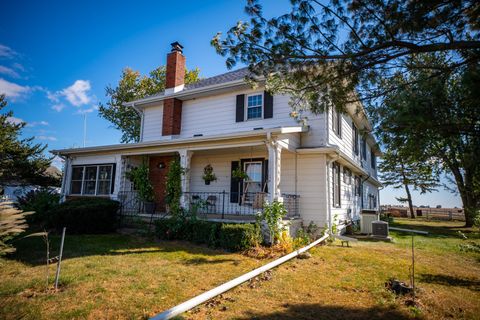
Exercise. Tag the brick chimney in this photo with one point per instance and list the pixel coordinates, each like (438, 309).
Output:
(175, 77)
(174, 82)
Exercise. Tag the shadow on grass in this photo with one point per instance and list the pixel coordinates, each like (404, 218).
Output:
(317, 311)
(447, 280)
(198, 261)
(32, 251)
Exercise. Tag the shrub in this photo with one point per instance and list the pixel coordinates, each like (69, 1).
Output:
(228, 236)
(239, 236)
(40, 202)
(85, 215)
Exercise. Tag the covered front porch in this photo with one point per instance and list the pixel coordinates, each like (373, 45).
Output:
(268, 162)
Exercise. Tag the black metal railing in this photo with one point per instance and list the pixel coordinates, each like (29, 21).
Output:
(232, 203)
(225, 203)
(133, 209)
(291, 203)
(211, 203)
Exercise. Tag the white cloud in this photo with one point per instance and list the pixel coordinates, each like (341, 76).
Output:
(77, 93)
(9, 72)
(12, 90)
(87, 110)
(6, 52)
(14, 120)
(37, 123)
(58, 107)
(49, 138)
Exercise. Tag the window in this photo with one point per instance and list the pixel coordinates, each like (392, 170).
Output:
(373, 159)
(347, 176)
(355, 138)
(253, 184)
(372, 201)
(337, 122)
(92, 180)
(364, 148)
(358, 186)
(254, 106)
(336, 184)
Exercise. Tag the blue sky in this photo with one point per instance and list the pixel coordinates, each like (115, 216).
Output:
(56, 58)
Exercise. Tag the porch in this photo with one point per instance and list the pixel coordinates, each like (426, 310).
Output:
(271, 175)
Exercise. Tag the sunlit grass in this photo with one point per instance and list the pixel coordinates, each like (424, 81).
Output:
(126, 277)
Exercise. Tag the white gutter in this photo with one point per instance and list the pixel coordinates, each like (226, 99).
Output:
(192, 303)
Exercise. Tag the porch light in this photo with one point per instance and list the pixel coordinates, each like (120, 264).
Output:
(161, 165)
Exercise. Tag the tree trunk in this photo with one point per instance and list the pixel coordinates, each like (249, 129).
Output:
(467, 193)
(410, 204)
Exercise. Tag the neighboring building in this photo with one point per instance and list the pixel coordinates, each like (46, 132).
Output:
(15, 189)
(324, 170)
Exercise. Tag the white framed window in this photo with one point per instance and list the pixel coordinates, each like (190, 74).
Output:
(336, 184)
(92, 180)
(253, 184)
(254, 106)
(337, 122)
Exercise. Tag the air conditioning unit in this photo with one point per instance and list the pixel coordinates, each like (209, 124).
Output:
(380, 229)
(366, 219)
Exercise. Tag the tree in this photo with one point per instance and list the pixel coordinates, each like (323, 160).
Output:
(321, 54)
(437, 123)
(400, 171)
(133, 86)
(20, 159)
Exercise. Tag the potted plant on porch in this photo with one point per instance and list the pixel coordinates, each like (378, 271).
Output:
(139, 176)
(208, 175)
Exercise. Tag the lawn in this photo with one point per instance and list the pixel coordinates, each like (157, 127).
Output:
(121, 276)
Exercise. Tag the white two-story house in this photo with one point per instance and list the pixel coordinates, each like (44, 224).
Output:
(323, 171)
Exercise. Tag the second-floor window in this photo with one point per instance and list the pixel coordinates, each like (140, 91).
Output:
(373, 159)
(364, 148)
(337, 122)
(254, 106)
(355, 138)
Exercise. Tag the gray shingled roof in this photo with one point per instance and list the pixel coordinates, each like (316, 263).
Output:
(219, 79)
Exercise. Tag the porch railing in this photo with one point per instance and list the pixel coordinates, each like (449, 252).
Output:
(213, 203)
(239, 204)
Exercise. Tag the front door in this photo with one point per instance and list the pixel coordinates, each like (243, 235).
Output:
(159, 166)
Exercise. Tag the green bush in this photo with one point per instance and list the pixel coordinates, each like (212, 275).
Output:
(85, 215)
(228, 236)
(237, 237)
(41, 202)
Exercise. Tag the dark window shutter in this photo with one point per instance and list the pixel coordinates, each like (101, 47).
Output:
(234, 184)
(267, 105)
(112, 187)
(240, 110)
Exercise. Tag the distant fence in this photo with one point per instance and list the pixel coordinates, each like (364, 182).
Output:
(427, 213)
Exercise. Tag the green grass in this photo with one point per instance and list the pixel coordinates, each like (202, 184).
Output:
(126, 277)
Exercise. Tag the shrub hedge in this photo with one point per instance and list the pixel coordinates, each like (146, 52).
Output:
(40, 201)
(85, 215)
(234, 237)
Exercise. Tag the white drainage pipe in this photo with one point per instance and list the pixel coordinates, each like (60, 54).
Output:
(192, 303)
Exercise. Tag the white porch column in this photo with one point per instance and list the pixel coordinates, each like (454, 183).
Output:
(185, 158)
(274, 171)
